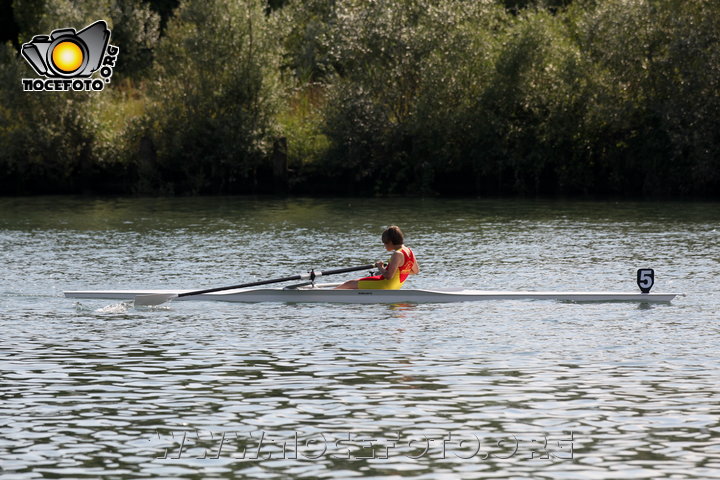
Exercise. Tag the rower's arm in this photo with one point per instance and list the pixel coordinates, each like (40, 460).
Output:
(393, 265)
(416, 268)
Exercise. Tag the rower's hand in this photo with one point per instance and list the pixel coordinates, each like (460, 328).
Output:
(380, 265)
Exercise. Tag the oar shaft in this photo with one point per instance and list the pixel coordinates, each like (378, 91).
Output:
(344, 270)
(242, 285)
(304, 276)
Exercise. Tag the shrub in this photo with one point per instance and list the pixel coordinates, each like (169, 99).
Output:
(214, 99)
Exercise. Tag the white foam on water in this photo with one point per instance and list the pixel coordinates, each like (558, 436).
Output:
(121, 307)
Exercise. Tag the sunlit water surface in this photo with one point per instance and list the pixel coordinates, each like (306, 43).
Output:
(497, 389)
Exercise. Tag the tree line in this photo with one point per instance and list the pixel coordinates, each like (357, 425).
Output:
(373, 97)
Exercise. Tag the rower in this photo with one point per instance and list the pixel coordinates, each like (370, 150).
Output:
(402, 264)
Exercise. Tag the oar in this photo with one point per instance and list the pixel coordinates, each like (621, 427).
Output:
(159, 298)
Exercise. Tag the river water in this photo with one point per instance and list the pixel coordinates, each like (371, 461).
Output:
(496, 389)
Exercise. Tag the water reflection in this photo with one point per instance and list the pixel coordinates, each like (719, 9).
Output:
(98, 390)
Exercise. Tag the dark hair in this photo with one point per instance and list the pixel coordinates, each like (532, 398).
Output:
(393, 235)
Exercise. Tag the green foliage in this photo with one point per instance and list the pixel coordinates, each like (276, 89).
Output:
(403, 70)
(515, 6)
(640, 100)
(688, 87)
(136, 31)
(45, 139)
(541, 101)
(214, 97)
(381, 97)
(302, 125)
(304, 27)
(60, 141)
(38, 17)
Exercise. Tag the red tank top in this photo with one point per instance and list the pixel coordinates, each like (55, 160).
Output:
(407, 266)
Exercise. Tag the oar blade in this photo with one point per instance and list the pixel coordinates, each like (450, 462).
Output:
(153, 299)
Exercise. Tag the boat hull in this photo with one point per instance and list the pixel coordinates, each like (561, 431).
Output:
(318, 295)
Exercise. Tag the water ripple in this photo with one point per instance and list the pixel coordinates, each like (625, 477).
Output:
(195, 390)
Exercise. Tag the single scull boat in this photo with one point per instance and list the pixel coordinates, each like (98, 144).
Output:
(324, 294)
(312, 292)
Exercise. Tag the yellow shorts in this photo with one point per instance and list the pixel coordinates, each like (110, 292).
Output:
(378, 282)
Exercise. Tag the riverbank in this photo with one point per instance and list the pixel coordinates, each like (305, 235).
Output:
(428, 97)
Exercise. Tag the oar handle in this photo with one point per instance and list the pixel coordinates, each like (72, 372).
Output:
(304, 276)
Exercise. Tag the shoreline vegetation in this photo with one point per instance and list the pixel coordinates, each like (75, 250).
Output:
(615, 98)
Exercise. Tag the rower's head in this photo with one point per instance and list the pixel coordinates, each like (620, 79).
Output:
(393, 237)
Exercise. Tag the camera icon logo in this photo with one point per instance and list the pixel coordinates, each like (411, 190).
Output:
(68, 54)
